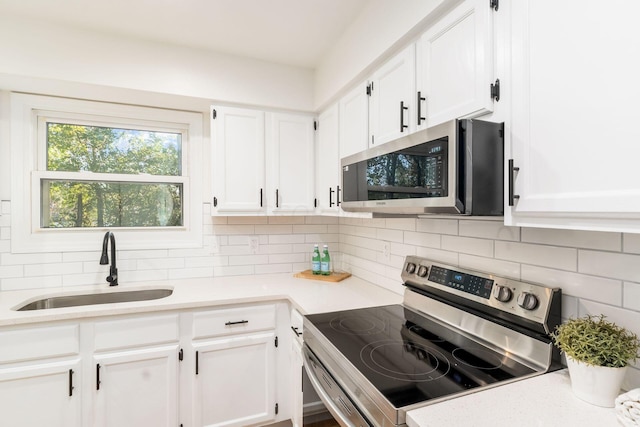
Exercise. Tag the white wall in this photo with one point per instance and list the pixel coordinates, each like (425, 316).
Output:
(41, 50)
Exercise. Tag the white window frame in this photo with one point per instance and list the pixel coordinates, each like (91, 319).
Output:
(28, 162)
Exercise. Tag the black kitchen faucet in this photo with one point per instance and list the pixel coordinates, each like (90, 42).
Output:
(104, 259)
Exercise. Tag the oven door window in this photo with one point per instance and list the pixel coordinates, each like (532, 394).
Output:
(415, 172)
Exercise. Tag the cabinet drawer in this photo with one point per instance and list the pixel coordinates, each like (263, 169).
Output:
(135, 332)
(233, 321)
(35, 343)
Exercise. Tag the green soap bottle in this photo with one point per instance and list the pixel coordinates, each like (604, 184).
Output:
(315, 260)
(325, 261)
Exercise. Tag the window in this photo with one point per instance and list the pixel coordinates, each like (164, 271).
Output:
(96, 166)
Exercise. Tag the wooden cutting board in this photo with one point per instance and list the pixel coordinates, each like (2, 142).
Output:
(334, 277)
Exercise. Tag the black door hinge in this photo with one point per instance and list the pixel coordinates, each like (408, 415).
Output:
(214, 114)
(276, 342)
(494, 4)
(315, 125)
(495, 90)
(181, 355)
(276, 409)
(370, 89)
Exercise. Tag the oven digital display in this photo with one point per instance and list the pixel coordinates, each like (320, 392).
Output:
(474, 285)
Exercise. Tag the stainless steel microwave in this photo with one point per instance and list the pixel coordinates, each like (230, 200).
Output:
(453, 168)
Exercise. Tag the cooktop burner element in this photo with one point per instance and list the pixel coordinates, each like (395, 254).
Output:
(357, 325)
(455, 333)
(426, 364)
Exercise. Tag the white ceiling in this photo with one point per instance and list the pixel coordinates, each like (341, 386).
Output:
(292, 32)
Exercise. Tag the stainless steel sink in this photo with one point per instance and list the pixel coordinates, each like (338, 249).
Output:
(98, 298)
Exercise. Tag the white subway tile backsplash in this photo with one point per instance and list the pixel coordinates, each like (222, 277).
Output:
(244, 220)
(468, 245)
(546, 256)
(160, 263)
(631, 296)
(148, 254)
(24, 259)
(489, 230)
(429, 240)
(322, 239)
(274, 229)
(573, 238)
(394, 235)
(310, 229)
(17, 283)
(83, 256)
(286, 238)
(228, 230)
(53, 269)
(607, 264)
(402, 250)
(232, 270)
(190, 273)
(276, 249)
(631, 243)
(321, 220)
(7, 271)
(406, 224)
(490, 265)
(288, 258)
(439, 226)
(445, 257)
(273, 268)
(142, 276)
(248, 259)
(5, 246)
(595, 288)
(286, 220)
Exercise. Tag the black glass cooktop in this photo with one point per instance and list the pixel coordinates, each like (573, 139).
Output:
(410, 358)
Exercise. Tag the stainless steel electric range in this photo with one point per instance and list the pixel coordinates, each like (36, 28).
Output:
(457, 332)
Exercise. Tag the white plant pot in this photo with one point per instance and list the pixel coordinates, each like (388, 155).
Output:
(598, 385)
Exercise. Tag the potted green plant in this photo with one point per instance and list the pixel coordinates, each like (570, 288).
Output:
(598, 353)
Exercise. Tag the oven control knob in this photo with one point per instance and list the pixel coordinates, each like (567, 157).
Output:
(423, 270)
(411, 268)
(527, 300)
(502, 293)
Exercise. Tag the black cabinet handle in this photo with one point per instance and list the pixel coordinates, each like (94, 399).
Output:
(261, 197)
(295, 331)
(197, 363)
(70, 382)
(331, 197)
(420, 99)
(238, 322)
(402, 109)
(338, 195)
(277, 201)
(98, 376)
(512, 177)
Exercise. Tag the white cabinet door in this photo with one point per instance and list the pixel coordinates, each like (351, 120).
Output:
(392, 98)
(455, 65)
(296, 384)
(574, 108)
(354, 120)
(136, 387)
(42, 393)
(235, 380)
(328, 161)
(290, 164)
(238, 151)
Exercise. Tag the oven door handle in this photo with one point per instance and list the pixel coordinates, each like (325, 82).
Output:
(333, 408)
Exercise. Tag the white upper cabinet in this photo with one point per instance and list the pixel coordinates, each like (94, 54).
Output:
(328, 161)
(354, 120)
(393, 98)
(455, 65)
(574, 96)
(263, 163)
(238, 162)
(290, 163)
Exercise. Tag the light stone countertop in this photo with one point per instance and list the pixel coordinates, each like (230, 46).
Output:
(545, 400)
(542, 401)
(308, 296)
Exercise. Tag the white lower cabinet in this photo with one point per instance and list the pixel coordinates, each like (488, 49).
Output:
(41, 393)
(235, 381)
(215, 367)
(137, 388)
